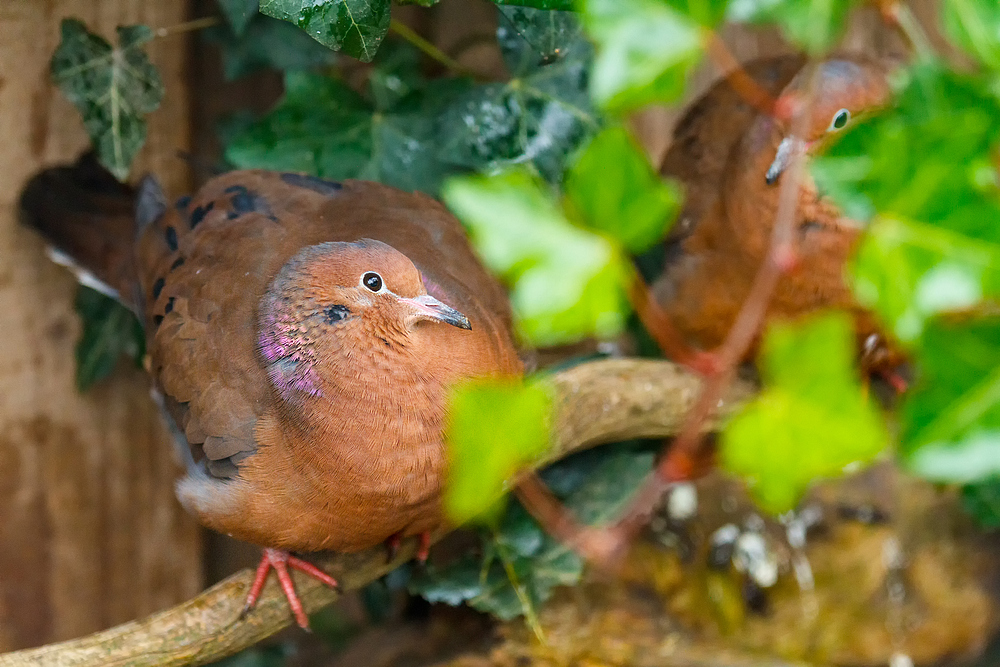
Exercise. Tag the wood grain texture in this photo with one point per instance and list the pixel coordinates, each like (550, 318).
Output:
(90, 532)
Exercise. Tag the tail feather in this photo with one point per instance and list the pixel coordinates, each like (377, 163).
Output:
(88, 218)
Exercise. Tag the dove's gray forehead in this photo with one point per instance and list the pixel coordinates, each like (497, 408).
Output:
(842, 72)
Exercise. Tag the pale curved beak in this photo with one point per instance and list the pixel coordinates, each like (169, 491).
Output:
(426, 307)
(787, 149)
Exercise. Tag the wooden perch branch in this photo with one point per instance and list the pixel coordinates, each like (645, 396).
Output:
(598, 402)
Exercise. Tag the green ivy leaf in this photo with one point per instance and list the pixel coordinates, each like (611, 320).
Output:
(396, 75)
(596, 486)
(540, 116)
(267, 43)
(982, 501)
(925, 167)
(531, 38)
(645, 51)
(706, 13)
(951, 418)
(566, 283)
(480, 461)
(356, 27)
(113, 88)
(812, 421)
(815, 26)
(324, 128)
(975, 26)
(630, 203)
(239, 13)
(110, 330)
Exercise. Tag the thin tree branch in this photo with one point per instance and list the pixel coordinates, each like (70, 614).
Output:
(597, 402)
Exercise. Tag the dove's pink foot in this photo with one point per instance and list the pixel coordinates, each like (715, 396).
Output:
(424, 548)
(280, 561)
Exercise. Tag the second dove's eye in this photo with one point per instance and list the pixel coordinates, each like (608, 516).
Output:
(840, 120)
(372, 281)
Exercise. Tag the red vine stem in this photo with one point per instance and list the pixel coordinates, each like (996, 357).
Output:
(742, 83)
(668, 339)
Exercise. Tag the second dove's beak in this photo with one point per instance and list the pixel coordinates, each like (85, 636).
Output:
(426, 307)
(786, 151)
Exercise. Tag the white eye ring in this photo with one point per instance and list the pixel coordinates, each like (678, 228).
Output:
(372, 282)
(839, 121)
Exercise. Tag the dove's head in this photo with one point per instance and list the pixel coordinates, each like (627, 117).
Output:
(845, 90)
(335, 307)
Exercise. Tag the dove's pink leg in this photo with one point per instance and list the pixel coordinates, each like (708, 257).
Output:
(280, 561)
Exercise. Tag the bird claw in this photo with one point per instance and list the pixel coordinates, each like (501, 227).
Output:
(423, 548)
(281, 560)
(392, 546)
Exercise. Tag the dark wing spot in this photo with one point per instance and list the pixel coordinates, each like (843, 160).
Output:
(169, 307)
(177, 262)
(244, 202)
(328, 188)
(172, 239)
(182, 203)
(158, 287)
(199, 213)
(247, 201)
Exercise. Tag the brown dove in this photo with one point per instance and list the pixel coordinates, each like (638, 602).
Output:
(303, 334)
(731, 158)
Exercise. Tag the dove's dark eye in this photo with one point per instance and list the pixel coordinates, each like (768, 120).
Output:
(334, 314)
(839, 120)
(372, 281)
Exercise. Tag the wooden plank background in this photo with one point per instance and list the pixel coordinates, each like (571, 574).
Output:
(90, 532)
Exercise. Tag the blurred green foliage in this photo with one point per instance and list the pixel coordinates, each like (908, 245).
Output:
(566, 283)
(495, 428)
(630, 202)
(646, 50)
(815, 26)
(975, 25)
(925, 166)
(924, 171)
(812, 421)
(951, 418)
(982, 501)
(110, 331)
(266, 43)
(520, 563)
(239, 14)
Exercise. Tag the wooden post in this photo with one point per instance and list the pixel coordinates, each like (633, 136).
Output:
(90, 532)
